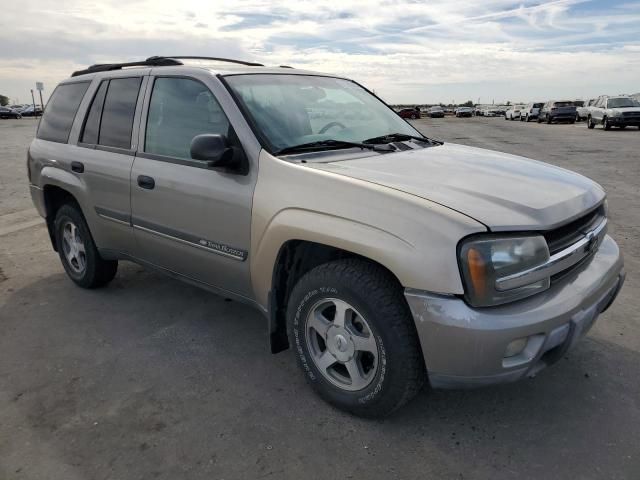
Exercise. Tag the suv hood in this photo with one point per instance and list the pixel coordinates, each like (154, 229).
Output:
(502, 191)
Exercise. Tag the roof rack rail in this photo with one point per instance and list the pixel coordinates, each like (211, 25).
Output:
(157, 61)
(217, 59)
(149, 62)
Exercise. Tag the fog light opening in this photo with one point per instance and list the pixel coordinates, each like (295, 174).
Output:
(515, 347)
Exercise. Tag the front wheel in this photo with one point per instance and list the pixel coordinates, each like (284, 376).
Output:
(78, 252)
(354, 337)
(605, 124)
(590, 123)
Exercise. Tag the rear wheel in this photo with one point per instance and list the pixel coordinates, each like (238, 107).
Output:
(548, 119)
(590, 123)
(354, 337)
(78, 252)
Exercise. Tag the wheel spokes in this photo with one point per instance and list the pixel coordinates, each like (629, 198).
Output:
(325, 361)
(358, 379)
(342, 309)
(365, 344)
(319, 323)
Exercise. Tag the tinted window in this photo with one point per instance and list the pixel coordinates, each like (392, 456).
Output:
(61, 110)
(179, 110)
(92, 123)
(117, 113)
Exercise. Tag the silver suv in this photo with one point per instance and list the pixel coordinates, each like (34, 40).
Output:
(383, 257)
(620, 111)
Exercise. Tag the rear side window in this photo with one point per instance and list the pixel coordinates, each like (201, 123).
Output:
(61, 110)
(92, 124)
(117, 112)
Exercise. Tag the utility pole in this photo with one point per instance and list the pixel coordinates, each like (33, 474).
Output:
(33, 101)
(40, 87)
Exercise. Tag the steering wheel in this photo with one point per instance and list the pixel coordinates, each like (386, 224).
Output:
(331, 125)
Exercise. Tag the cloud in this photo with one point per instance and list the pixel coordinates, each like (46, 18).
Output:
(408, 51)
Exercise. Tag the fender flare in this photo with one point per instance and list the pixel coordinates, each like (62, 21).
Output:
(368, 241)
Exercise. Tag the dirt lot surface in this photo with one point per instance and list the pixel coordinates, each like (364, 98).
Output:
(152, 378)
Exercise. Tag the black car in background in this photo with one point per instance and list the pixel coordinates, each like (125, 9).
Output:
(558, 111)
(6, 112)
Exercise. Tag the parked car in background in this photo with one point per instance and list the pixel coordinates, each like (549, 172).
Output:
(500, 110)
(409, 113)
(29, 111)
(530, 111)
(6, 112)
(620, 111)
(513, 113)
(558, 111)
(436, 112)
(582, 112)
(464, 112)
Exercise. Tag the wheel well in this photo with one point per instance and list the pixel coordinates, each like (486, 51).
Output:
(54, 198)
(296, 258)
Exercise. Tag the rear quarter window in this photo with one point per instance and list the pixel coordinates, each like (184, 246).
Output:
(57, 120)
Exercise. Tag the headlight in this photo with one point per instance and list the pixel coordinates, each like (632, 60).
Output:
(486, 258)
(616, 113)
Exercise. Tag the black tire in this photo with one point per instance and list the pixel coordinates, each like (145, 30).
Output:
(97, 272)
(378, 297)
(622, 127)
(605, 124)
(548, 119)
(590, 123)
(539, 119)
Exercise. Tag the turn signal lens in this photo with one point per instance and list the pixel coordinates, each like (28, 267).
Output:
(477, 271)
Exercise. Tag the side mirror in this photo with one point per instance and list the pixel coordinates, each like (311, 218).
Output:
(213, 149)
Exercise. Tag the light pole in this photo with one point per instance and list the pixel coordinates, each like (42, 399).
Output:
(33, 101)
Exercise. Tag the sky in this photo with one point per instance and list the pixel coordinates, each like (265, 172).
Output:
(430, 51)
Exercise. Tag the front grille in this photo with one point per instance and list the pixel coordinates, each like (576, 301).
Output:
(562, 237)
(634, 115)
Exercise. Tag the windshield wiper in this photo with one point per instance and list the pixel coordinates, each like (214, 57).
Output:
(332, 144)
(398, 137)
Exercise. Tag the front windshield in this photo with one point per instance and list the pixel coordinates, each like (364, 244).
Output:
(621, 102)
(290, 110)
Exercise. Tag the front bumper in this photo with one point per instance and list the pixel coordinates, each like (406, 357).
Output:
(626, 121)
(465, 346)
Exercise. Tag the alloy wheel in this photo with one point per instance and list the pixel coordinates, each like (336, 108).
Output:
(342, 344)
(73, 247)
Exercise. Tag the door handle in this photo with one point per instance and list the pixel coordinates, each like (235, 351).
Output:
(146, 182)
(77, 167)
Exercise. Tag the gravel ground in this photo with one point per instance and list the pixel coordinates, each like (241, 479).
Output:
(152, 378)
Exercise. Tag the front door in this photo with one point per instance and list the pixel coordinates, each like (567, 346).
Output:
(188, 218)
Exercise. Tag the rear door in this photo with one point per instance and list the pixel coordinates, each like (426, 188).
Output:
(190, 219)
(105, 155)
(597, 111)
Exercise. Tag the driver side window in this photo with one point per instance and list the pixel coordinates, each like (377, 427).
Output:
(179, 110)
